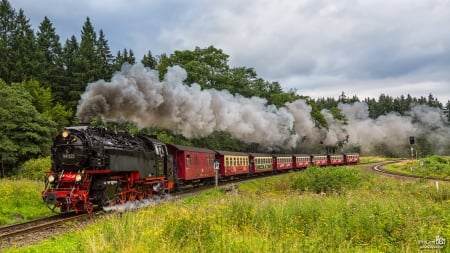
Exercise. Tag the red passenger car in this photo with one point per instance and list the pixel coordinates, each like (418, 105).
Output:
(335, 159)
(319, 160)
(301, 161)
(260, 163)
(351, 158)
(232, 163)
(192, 164)
(283, 162)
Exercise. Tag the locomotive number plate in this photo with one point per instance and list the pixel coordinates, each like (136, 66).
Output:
(68, 156)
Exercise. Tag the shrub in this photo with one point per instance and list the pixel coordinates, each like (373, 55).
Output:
(437, 165)
(319, 180)
(34, 168)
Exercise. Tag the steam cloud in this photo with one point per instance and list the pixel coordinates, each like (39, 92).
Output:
(136, 94)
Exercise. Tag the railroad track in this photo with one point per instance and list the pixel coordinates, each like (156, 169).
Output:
(379, 169)
(25, 233)
(34, 231)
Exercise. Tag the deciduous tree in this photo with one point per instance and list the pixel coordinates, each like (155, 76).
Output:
(24, 132)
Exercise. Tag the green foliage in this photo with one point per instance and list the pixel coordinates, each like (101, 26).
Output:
(34, 169)
(124, 57)
(43, 102)
(325, 180)
(316, 115)
(106, 58)
(220, 141)
(437, 164)
(149, 61)
(337, 114)
(50, 69)
(87, 60)
(7, 17)
(24, 132)
(21, 55)
(433, 166)
(204, 66)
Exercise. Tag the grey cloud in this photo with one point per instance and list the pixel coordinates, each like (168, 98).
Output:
(360, 42)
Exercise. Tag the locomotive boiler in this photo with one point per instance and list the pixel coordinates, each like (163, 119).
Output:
(93, 166)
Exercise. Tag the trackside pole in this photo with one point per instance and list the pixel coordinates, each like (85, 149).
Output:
(411, 143)
(216, 170)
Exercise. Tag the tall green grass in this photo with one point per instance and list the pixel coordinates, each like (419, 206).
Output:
(433, 166)
(375, 214)
(20, 200)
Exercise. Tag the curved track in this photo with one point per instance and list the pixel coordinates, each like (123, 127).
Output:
(379, 169)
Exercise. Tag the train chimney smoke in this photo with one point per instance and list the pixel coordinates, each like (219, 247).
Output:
(136, 94)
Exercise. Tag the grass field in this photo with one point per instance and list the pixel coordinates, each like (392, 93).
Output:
(20, 200)
(433, 166)
(350, 211)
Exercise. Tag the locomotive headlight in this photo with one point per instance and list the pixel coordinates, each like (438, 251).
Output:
(51, 179)
(78, 178)
(65, 133)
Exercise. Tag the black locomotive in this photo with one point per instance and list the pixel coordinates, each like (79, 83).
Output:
(95, 166)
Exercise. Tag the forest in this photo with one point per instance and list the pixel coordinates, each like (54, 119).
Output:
(42, 77)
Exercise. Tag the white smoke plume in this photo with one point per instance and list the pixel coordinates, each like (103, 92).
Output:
(136, 94)
(393, 130)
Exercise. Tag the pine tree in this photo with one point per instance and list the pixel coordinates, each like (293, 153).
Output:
(50, 64)
(131, 59)
(87, 66)
(88, 62)
(23, 50)
(118, 61)
(104, 53)
(149, 61)
(69, 54)
(124, 57)
(7, 21)
(66, 91)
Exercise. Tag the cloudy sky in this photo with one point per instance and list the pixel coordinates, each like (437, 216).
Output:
(320, 48)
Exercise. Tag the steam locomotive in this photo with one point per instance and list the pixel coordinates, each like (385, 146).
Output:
(96, 167)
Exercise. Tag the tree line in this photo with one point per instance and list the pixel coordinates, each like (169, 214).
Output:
(41, 80)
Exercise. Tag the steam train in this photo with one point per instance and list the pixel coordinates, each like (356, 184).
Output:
(96, 167)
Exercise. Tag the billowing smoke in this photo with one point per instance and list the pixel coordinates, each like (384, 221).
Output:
(136, 94)
(392, 131)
